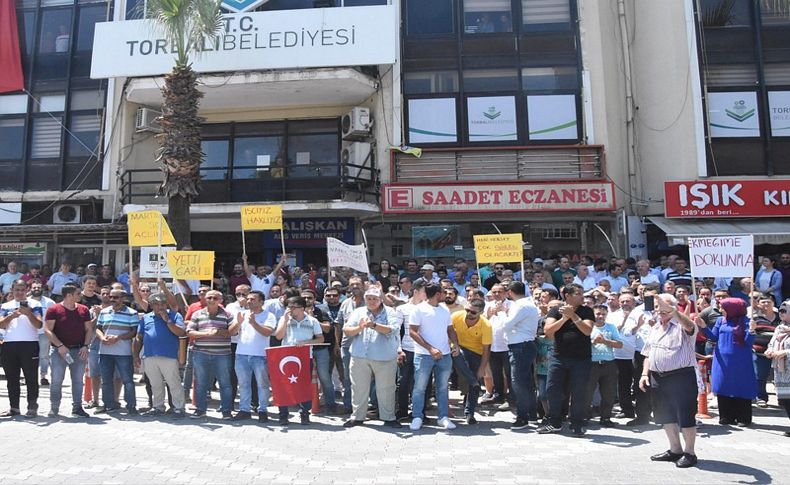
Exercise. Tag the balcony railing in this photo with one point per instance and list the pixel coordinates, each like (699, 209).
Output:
(583, 162)
(314, 182)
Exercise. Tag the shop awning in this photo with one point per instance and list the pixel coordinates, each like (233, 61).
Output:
(52, 229)
(765, 231)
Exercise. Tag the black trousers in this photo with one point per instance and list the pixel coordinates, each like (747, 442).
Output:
(21, 357)
(785, 403)
(734, 410)
(500, 370)
(644, 408)
(405, 384)
(625, 382)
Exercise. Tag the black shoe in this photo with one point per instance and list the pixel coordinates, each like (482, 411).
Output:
(112, 410)
(242, 416)
(227, 415)
(548, 429)
(79, 412)
(667, 456)
(132, 412)
(726, 422)
(353, 422)
(687, 460)
(282, 422)
(304, 419)
(263, 417)
(198, 414)
(607, 423)
(787, 433)
(10, 413)
(622, 415)
(519, 424)
(44, 381)
(392, 424)
(637, 422)
(577, 432)
(470, 419)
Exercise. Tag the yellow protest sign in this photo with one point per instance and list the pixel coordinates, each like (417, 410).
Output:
(261, 217)
(191, 265)
(499, 248)
(144, 229)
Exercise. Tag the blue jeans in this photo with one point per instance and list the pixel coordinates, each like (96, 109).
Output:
(188, 377)
(564, 370)
(345, 354)
(76, 371)
(423, 365)
(123, 364)
(247, 366)
(324, 367)
(762, 367)
(467, 364)
(207, 367)
(522, 358)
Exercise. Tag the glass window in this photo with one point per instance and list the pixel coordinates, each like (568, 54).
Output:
(726, 13)
(87, 23)
(432, 121)
(27, 31)
(85, 135)
(490, 80)
(487, 16)
(552, 117)
(56, 3)
(430, 82)
(83, 174)
(545, 14)
(726, 75)
(13, 104)
(313, 155)
(733, 114)
(87, 100)
(429, 17)
(779, 109)
(777, 74)
(549, 78)
(215, 165)
(43, 175)
(359, 3)
(313, 126)
(12, 133)
(774, 12)
(492, 118)
(52, 103)
(55, 31)
(258, 157)
(46, 138)
(134, 9)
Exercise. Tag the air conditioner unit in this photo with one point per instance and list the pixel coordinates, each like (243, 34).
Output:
(358, 160)
(66, 214)
(145, 120)
(356, 124)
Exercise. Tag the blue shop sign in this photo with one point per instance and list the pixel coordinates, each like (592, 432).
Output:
(311, 233)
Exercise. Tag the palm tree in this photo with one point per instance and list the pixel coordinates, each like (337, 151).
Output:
(187, 25)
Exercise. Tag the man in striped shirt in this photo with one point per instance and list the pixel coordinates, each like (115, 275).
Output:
(115, 329)
(211, 328)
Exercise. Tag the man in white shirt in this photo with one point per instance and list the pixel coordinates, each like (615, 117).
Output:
(584, 279)
(406, 353)
(646, 276)
(432, 331)
(627, 325)
(520, 324)
(235, 308)
(256, 326)
(37, 294)
(263, 277)
(8, 278)
(615, 278)
(21, 319)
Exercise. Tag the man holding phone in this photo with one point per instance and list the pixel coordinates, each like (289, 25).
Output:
(626, 325)
(645, 321)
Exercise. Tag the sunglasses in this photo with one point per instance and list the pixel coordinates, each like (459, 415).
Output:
(470, 313)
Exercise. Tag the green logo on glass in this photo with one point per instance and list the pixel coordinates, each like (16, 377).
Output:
(492, 113)
(739, 111)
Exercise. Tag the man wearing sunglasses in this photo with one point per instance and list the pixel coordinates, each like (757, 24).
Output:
(474, 338)
(115, 329)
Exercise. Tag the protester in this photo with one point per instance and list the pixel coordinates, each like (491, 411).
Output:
(406, 351)
(9, 277)
(355, 300)
(37, 294)
(57, 280)
(115, 329)
(778, 351)
(603, 374)
(474, 337)
(765, 321)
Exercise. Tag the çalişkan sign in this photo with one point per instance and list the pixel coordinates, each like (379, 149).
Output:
(317, 37)
(722, 256)
(496, 197)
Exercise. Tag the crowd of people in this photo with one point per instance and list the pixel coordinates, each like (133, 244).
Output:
(553, 340)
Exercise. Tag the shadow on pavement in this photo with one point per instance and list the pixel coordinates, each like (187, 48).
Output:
(754, 474)
(618, 441)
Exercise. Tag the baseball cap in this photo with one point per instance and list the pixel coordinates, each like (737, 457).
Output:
(427, 266)
(373, 292)
(537, 261)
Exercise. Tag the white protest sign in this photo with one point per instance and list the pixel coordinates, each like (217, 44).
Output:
(150, 261)
(342, 254)
(722, 256)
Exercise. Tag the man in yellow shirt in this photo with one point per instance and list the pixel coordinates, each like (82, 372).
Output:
(474, 337)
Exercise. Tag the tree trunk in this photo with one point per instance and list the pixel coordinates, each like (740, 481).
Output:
(178, 219)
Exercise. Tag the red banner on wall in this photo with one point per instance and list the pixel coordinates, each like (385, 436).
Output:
(289, 374)
(727, 198)
(11, 78)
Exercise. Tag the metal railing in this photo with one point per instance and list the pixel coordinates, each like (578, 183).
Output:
(312, 182)
(582, 162)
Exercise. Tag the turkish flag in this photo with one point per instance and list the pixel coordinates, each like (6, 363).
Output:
(11, 78)
(289, 374)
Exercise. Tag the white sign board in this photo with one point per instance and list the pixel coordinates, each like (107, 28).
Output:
(151, 260)
(432, 120)
(342, 254)
(10, 212)
(552, 117)
(492, 118)
(316, 37)
(733, 114)
(779, 107)
(722, 256)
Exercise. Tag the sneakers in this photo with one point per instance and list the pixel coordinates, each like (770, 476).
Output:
(520, 424)
(548, 429)
(78, 412)
(198, 414)
(416, 424)
(505, 406)
(263, 417)
(31, 413)
(227, 415)
(44, 381)
(470, 419)
(445, 423)
(242, 416)
(153, 412)
(623, 415)
(761, 403)
(353, 422)
(91, 405)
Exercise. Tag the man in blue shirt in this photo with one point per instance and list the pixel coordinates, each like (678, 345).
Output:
(604, 339)
(57, 280)
(158, 335)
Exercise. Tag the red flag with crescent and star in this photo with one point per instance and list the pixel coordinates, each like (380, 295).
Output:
(289, 374)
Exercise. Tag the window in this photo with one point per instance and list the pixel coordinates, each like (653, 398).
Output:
(55, 31)
(487, 16)
(432, 120)
(258, 157)
(313, 155)
(488, 80)
(429, 17)
(46, 138)
(215, 165)
(12, 133)
(549, 78)
(545, 14)
(85, 136)
(430, 82)
(13, 104)
(492, 118)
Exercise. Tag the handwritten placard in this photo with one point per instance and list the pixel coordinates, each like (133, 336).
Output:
(261, 217)
(499, 248)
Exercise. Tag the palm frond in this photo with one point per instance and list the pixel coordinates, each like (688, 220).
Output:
(186, 24)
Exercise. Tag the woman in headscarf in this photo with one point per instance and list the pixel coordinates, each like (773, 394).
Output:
(778, 351)
(733, 379)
